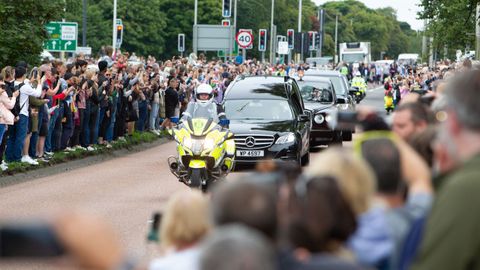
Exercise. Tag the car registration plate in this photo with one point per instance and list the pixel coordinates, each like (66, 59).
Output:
(250, 153)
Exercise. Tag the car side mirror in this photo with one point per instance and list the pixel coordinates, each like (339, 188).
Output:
(353, 91)
(303, 118)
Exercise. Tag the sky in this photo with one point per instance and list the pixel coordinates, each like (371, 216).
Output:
(406, 9)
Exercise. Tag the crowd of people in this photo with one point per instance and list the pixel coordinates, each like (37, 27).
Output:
(403, 197)
(86, 103)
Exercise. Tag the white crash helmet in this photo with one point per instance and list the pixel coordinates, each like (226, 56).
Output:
(204, 89)
(357, 74)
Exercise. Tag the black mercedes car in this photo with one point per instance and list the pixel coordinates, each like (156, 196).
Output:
(345, 99)
(319, 96)
(269, 120)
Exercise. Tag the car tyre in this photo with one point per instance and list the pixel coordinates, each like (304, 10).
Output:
(305, 160)
(337, 139)
(346, 135)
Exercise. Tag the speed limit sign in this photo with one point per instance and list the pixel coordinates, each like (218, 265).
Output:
(244, 39)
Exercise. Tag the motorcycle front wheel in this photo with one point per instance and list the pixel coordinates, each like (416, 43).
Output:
(196, 179)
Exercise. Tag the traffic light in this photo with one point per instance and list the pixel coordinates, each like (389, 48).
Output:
(226, 22)
(290, 38)
(311, 40)
(262, 40)
(227, 8)
(119, 35)
(181, 42)
(317, 40)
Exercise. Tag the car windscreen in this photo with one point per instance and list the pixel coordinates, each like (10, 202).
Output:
(316, 91)
(338, 84)
(247, 109)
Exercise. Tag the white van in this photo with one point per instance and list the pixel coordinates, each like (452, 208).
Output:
(408, 59)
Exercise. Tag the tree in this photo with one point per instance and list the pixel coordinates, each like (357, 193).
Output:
(358, 23)
(21, 38)
(450, 23)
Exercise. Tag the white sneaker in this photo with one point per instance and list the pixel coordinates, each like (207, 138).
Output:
(90, 148)
(156, 132)
(122, 139)
(108, 145)
(69, 149)
(4, 166)
(29, 160)
(48, 153)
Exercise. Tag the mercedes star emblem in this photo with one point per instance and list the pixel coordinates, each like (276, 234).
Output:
(250, 142)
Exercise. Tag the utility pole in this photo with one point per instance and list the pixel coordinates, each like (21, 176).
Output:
(62, 54)
(335, 57)
(84, 24)
(272, 37)
(235, 30)
(114, 41)
(424, 40)
(195, 16)
(321, 19)
(477, 32)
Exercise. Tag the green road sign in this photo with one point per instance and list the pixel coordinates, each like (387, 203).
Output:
(62, 37)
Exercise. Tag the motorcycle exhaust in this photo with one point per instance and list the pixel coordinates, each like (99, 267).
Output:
(174, 165)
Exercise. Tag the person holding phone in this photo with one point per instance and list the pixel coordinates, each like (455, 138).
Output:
(6, 104)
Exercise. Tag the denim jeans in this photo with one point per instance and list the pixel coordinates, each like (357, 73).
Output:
(113, 119)
(16, 139)
(51, 129)
(67, 128)
(96, 117)
(142, 115)
(154, 116)
(86, 126)
(3, 128)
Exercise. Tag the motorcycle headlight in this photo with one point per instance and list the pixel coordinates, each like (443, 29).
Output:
(208, 144)
(288, 138)
(187, 142)
(319, 119)
(342, 106)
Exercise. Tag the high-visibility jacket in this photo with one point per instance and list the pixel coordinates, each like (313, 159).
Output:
(360, 83)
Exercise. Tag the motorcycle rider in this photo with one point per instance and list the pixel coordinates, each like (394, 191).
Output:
(204, 105)
(359, 82)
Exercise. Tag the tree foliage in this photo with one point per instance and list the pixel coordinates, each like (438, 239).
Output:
(450, 23)
(358, 23)
(151, 27)
(21, 38)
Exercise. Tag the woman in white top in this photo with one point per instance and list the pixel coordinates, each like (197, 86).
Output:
(185, 223)
(6, 104)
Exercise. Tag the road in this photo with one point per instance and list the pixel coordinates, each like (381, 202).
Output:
(125, 191)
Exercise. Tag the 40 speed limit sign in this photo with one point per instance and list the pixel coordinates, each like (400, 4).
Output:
(244, 39)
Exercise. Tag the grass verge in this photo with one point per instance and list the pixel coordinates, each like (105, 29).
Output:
(64, 156)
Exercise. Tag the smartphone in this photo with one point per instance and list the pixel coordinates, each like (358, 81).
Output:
(32, 241)
(34, 72)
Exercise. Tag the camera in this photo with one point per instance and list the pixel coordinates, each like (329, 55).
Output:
(29, 241)
(346, 121)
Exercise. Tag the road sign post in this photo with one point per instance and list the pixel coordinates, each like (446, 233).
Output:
(62, 37)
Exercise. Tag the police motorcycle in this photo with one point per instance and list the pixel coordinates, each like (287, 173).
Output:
(205, 147)
(358, 88)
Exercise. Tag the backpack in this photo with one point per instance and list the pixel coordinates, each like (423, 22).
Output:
(17, 108)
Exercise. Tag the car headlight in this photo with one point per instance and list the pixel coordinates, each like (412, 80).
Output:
(288, 138)
(319, 119)
(342, 106)
(208, 144)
